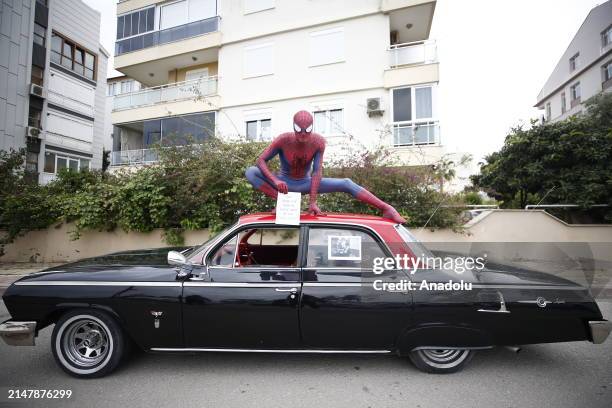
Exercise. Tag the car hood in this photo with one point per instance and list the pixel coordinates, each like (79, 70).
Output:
(137, 266)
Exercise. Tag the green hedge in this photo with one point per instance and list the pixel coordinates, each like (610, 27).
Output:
(203, 186)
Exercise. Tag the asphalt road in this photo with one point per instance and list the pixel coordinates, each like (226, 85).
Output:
(551, 375)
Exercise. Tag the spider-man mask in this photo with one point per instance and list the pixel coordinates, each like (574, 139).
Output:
(302, 125)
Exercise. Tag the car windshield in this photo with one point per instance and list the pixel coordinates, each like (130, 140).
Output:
(194, 255)
(417, 248)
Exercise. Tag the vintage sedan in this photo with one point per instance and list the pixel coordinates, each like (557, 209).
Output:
(311, 288)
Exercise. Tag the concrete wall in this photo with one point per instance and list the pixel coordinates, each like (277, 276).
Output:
(509, 228)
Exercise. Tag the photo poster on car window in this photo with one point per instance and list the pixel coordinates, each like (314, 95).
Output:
(344, 247)
(288, 209)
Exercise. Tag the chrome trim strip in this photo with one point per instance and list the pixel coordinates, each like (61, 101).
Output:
(243, 285)
(95, 283)
(451, 348)
(227, 350)
(335, 284)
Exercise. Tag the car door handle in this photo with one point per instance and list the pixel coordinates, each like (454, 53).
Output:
(292, 290)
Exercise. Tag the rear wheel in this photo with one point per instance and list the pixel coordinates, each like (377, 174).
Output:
(441, 361)
(87, 343)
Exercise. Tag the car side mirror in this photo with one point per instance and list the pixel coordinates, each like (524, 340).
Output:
(176, 258)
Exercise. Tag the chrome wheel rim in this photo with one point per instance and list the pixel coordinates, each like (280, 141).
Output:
(444, 358)
(85, 343)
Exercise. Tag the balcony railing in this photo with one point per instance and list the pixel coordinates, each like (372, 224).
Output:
(166, 93)
(420, 52)
(416, 134)
(131, 157)
(154, 38)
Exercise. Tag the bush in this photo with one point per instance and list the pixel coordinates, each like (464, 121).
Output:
(203, 186)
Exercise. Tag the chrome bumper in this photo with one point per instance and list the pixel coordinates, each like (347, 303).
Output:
(18, 333)
(600, 330)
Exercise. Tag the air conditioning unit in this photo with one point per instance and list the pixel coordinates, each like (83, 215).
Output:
(32, 131)
(374, 107)
(37, 90)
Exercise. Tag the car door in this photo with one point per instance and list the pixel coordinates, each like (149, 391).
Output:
(340, 309)
(249, 297)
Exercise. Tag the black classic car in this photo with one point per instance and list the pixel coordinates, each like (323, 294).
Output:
(312, 288)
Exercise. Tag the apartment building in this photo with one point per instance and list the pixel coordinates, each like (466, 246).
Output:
(584, 70)
(366, 69)
(52, 77)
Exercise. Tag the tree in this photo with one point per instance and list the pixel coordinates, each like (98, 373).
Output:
(566, 162)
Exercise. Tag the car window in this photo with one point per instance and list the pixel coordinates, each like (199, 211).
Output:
(255, 247)
(225, 255)
(268, 247)
(341, 248)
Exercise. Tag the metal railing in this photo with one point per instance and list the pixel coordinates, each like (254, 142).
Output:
(416, 134)
(166, 93)
(131, 157)
(160, 37)
(419, 52)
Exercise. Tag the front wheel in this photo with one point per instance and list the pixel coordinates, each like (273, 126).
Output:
(87, 343)
(441, 361)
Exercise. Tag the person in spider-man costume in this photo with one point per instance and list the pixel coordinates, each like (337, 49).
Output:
(301, 159)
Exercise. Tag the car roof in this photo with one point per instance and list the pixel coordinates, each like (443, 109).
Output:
(337, 218)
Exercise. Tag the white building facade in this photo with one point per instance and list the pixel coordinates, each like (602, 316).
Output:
(60, 87)
(584, 70)
(366, 69)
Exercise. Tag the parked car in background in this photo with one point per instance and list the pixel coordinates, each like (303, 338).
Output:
(262, 287)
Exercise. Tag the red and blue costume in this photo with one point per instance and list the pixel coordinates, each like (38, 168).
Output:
(301, 165)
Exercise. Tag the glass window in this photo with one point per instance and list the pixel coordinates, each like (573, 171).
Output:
(126, 86)
(90, 60)
(224, 256)
(56, 43)
(251, 130)
(341, 248)
(39, 34)
(574, 62)
(62, 163)
(607, 71)
(563, 103)
(142, 21)
(268, 247)
(402, 105)
(423, 101)
(37, 75)
(127, 27)
(259, 129)
(150, 19)
(49, 162)
(120, 25)
(84, 164)
(606, 37)
(575, 91)
(73, 164)
(548, 111)
(329, 122)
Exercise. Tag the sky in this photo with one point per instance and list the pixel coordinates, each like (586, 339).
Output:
(494, 55)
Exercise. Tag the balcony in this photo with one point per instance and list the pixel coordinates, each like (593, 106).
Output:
(166, 93)
(134, 157)
(180, 98)
(168, 35)
(412, 63)
(419, 52)
(416, 134)
(149, 57)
